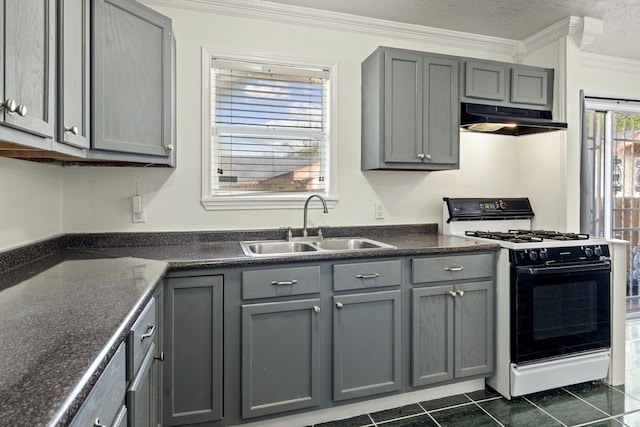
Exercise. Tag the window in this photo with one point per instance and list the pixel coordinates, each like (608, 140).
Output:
(267, 140)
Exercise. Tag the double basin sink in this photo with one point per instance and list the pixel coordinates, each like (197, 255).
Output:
(297, 246)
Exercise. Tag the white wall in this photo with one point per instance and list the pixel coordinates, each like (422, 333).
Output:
(30, 202)
(99, 199)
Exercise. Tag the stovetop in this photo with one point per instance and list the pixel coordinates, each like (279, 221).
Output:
(526, 236)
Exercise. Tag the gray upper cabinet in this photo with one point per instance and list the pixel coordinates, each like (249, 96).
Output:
(73, 73)
(192, 342)
(280, 356)
(504, 84)
(27, 72)
(132, 82)
(410, 111)
(365, 324)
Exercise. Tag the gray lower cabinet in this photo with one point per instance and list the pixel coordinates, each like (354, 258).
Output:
(410, 111)
(27, 48)
(452, 332)
(192, 342)
(280, 356)
(105, 402)
(141, 395)
(132, 109)
(367, 342)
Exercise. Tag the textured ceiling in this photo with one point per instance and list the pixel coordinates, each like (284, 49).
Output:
(510, 19)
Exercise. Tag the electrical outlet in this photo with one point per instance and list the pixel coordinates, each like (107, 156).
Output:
(379, 211)
(139, 217)
(138, 209)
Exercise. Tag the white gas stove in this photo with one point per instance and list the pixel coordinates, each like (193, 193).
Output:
(552, 296)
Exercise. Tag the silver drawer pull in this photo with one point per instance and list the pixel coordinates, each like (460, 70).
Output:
(339, 305)
(461, 293)
(453, 293)
(150, 330)
(453, 268)
(284, 282)
(159, 357)
(97, 423)
(316, 309)
(367, 276)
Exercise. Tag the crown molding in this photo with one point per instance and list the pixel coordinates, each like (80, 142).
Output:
(259, 9)
(549, 35)
(610, 62)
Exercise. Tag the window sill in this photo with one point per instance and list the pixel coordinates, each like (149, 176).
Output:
(253, 203)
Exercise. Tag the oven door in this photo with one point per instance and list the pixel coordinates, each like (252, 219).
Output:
(559, 310)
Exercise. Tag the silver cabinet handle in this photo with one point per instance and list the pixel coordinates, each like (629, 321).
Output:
(420, 155)
(284, 282)
(367, 276)
(169, 147)
(316, 309)
(453, 268)
(427, 156)
(97, 423)
(453, 293)
(22, 110)
(10, 105)
(151, 329)
(461, 293)
(159, 357)
(73, 129)
(339, 305)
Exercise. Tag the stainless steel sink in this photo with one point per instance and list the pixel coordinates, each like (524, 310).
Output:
(283, 247)
(350, 244)
(276, 247)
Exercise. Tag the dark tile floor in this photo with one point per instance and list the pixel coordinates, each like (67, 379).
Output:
(589, 404)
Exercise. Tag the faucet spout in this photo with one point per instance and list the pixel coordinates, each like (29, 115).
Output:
(306, 205)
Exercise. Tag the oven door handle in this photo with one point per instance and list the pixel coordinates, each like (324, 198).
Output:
(582, 268)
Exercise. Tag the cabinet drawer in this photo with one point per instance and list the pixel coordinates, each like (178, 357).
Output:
(280, 282)
(367, 275)
(436, 269)
(140, 338)
(105, 400)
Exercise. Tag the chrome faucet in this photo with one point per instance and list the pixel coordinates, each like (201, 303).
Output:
(306, 204)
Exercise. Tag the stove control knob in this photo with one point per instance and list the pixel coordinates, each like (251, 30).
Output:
(597, 250)
(588, 251)
(502, 205)
(544, 254)
(533, 255)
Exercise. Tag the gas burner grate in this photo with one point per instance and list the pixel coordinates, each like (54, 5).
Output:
(526, 236)
(553, 235)
(515, 237)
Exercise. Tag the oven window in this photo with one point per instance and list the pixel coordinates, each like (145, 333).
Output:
(564, 310)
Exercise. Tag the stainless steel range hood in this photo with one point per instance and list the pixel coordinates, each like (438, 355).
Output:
(507, 120)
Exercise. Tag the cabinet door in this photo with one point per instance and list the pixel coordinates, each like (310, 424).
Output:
(73, 72)
(140, 395)
(29, 37)
(280, 356)
(441, 112)
(529, 86)
(402, 107)
(366, 344)
(485, 80)
(192, 341)
(432, 335)
(474, 329)
(131, 79)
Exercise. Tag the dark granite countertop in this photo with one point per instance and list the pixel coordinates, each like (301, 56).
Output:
(60, 328)
(67, 303)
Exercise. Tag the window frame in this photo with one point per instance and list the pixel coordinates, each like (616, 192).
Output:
(265, 201)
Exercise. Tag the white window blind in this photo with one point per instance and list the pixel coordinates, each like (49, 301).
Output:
(269, 129)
